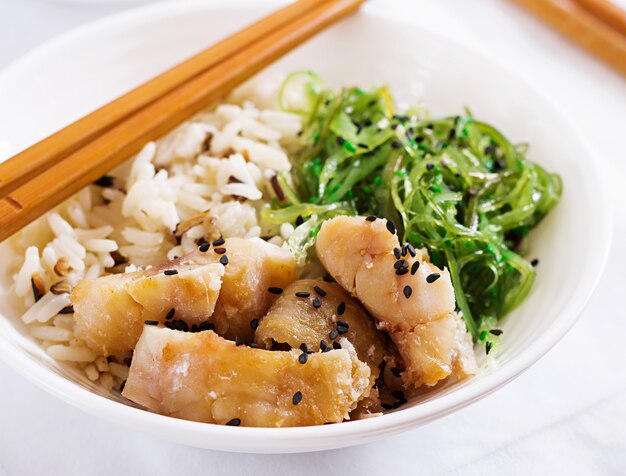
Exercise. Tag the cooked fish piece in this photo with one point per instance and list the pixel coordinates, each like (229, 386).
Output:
(205, 378)
(359, 254)
(436, 350)
(411, 298)
(294, 320)
(368, 407)
(225, 284)
(254, 266)
(110, 311)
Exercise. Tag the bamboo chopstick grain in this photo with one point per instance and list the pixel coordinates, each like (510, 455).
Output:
(113, 147)
(582, 27)
(42, 155)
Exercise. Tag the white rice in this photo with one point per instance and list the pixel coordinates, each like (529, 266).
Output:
(219, 165)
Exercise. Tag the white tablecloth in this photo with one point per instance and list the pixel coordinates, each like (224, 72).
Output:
(566, 415)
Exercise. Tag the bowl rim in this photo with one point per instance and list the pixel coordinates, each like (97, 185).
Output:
(344, 434)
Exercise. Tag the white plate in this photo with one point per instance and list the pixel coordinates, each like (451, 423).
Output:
(79, 71)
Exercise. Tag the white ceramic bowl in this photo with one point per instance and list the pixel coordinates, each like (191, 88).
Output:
(81, 70)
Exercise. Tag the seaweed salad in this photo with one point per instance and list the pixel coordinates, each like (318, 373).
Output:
(454, 185)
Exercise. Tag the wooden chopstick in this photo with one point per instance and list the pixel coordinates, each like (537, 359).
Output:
(608, 12)
(24, 166)
(582, 27)
(126, 138)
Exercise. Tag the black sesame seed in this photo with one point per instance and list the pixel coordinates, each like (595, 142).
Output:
(396, 372)
(319, 291)
(399, 395)
(219, 242)
(182, 326)
(297, 398)
(336, 345)
(401, 263)
(194, 328)
(304, 347)
(363, 146)
(233, 422)
(206, 326)
(224, 260)
(340, 140)
(431, 278)
(397, 252)
(332, 335)
(396, 144)
(219, 251)
(254, 323)
(414, 267)
(67, 310)
(496, 332)
(342, 330)
(150, 322)
(343, 323)
(204, 247)
(401, 271)
(341, 308)
(391, 227)
(105, 181)
(275, 290)
(303, 357)
(170, 272)
(323, 345)
(170, 325)
(488, 346)
(317, 302)
(386, 406)
(407, 291)
(429, 167)
(399, 403)
(394, 126)
(303, 294)
(128, 361)
(299, 220)
(411, 249)
(534, 262)
(370, 218)
(170, 314)
(238, 341)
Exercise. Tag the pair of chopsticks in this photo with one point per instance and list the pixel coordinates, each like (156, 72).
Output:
(49, 172)
(599, 26)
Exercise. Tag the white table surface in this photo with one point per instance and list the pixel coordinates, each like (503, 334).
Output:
(566, 415)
